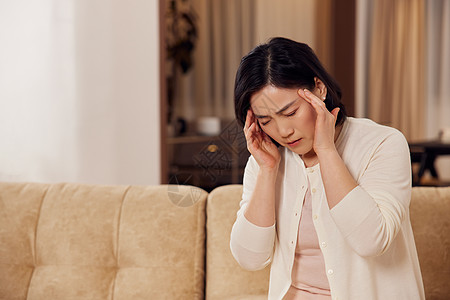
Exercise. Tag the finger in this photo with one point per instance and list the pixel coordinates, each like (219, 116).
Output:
(301, 93)
(308, 96)
(247, 120)
(318, 105)
(253, 132)
(251, 129)
(266, 138)
(335, 113)
(313, 98)
(253, 138)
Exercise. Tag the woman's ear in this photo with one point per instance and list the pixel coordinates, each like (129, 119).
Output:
(320, 89)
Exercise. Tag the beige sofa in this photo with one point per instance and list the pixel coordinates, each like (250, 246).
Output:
(74, 241)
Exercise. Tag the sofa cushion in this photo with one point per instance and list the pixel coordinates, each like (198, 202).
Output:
(225, 279)
(430, 220)
(74, 241)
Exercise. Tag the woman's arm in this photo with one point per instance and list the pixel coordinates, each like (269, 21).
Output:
(261, 208)
(337, 180)
(253, 234)
(369, 213)
(252, 237)
(372, 214)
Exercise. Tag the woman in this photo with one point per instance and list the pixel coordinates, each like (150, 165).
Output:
(326, 197)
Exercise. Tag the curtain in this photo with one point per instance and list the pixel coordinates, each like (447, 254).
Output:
(362, 44)
(396, 81)
(323, 37)
(225, 34)
(438, 66)
(228, 29)
(438, 75)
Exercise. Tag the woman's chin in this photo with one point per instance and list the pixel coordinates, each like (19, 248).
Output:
(300, 149)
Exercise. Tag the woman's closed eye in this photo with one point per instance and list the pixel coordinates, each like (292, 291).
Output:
(291, 113)
(264, 123)
(286, 115)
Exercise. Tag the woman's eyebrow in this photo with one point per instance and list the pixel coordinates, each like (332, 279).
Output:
(278, 112)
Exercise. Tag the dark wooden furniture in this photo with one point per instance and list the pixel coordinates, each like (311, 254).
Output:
(208, 161)
(425, 153)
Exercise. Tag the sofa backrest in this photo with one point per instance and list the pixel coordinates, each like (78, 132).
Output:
(73, 241)
(430, 218)
(225, 279)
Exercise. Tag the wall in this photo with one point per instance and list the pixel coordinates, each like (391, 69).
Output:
(79, 91)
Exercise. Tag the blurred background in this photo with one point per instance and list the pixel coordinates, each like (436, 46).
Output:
(141, 92)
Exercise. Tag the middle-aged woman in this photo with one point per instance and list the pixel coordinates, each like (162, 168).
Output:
(325, 196)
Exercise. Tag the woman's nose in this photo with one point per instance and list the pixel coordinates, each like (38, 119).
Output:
(285, 129)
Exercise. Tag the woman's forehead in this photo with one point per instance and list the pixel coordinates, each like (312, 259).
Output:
(271, 100)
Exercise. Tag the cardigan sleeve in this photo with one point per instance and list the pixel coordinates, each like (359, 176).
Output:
(371, 215)
(251, 245)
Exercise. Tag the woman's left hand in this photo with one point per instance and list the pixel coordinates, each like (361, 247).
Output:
(325, 123)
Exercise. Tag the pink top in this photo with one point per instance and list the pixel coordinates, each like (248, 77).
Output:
(309, 279)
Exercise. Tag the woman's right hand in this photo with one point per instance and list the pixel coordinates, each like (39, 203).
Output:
(260, 145)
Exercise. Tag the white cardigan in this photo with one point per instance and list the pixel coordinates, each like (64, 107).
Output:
(366, 240)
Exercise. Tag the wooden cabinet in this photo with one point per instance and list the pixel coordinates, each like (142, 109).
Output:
(208, 161)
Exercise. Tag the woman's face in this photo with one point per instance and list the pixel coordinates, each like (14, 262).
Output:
(285, 117)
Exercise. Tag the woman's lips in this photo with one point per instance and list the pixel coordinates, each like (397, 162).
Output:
(294, 143)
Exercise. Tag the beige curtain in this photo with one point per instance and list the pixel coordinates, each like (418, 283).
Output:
(396, 84)
(228, 29)
(323, 37)
(438, 66)
(438, 74)
(226, 33)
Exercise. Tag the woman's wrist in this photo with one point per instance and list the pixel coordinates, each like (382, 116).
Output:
(261, 208)
(337, 180)
(268, 173)
(326, 152)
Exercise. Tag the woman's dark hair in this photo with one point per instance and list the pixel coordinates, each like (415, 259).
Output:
(282, 63)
